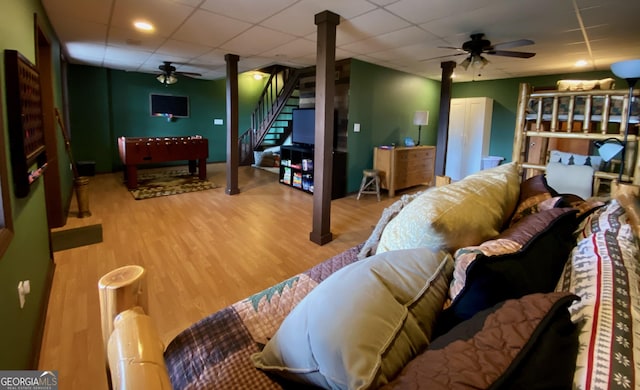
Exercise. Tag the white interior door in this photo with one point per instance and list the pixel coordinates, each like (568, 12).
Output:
(454, 166)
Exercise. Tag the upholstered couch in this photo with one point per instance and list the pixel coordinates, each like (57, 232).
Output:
(477, 284)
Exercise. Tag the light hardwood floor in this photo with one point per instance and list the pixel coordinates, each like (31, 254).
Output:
(202, 250)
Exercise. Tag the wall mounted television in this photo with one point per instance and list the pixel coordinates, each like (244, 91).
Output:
(176, 106)
(304, 126)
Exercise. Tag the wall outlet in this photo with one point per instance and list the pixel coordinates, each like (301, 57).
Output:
(356, 127)
(218, 122)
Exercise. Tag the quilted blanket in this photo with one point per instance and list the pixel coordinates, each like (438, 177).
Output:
(215, 352)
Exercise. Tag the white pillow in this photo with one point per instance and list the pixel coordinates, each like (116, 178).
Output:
(565, 158)
(360, 326)
(570, 179)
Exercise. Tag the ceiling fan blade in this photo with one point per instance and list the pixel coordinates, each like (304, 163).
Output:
(507, 53)
(451, 47)
(190, 74)
(510, 44)
(445, 56)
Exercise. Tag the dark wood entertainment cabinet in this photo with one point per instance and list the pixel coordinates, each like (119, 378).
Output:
(296, 169)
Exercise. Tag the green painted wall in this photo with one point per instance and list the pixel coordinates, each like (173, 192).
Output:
(383, 101)
(106, 104)
(505, 99)
(28, 255)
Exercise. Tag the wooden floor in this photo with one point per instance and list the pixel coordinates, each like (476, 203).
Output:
(202, 250)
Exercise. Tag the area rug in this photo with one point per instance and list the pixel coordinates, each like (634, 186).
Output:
(76, 237)
(168, 182)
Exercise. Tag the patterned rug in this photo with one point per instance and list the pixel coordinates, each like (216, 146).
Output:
(169, 182)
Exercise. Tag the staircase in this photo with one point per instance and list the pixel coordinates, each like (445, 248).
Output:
(272, 117)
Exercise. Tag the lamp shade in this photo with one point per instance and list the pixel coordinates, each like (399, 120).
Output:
(629, 69)
(421, 118)
(609, 148)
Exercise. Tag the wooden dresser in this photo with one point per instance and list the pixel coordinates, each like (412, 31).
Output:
(402, 167)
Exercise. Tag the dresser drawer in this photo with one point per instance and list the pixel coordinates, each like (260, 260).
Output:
(405, 167)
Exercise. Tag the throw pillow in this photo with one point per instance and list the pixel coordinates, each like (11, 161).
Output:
(508, 346)
(535, 195)
(604, 272)
(570, 179)
(575, 159)
(511, 241)
(534, 269)
(460, 214)
(370, 246)
(362, 324)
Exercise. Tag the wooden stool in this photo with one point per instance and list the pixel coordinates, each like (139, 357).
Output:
(370, 177)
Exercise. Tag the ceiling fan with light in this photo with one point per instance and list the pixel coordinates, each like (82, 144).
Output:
(478, 45)
(169, 74)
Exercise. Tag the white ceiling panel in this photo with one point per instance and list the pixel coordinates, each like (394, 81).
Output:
(164, 14)
(256, 40)
(401, 34)
(370, 24)
(247, 10)
(96, 11)
(183, 49)
(207, 28)
(128, 37)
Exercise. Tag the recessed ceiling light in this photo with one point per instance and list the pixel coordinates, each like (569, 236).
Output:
(581, 63)
(143, 26)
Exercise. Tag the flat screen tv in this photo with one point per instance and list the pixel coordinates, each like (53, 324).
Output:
(304, 126)
(177, 106)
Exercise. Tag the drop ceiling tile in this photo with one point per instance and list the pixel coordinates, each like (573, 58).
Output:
(96, 11)
(207, 28)
(120, 55)
(130, 38)
(372, 23)
(89, 52)
(165, 18)
(402, 37)
(420, 11)
(297, 48)
(256, 40)
(82, 31)
(299, 19)
(183, 49)
(251, 11)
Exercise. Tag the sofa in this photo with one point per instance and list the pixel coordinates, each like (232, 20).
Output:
(477, 284)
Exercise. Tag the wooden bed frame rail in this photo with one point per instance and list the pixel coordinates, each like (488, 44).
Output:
(592, 127)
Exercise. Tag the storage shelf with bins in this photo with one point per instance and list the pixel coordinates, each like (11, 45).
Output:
(296, 167)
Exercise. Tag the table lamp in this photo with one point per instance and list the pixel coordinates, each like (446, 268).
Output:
(420, 118)
(608, 148)
(630, 71)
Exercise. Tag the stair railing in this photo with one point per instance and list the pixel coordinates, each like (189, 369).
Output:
(278, 88)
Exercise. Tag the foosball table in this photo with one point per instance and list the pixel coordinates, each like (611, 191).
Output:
(136, 151)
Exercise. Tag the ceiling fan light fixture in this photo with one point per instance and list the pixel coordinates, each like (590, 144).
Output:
(478, 62)
(167, 79)
(465, 64)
